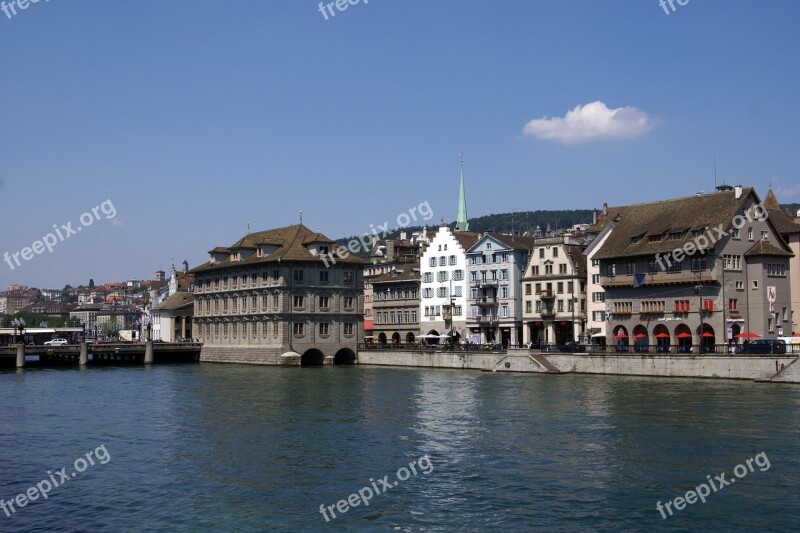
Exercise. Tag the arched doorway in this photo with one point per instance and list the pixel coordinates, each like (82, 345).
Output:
(683, 335)
(432, 337)
(410, 338)
(641, 340)
(382, 339)
(312, 357)
(345, 356)
(621, 338)
(395, 339)
(661, 333)
(708, 339)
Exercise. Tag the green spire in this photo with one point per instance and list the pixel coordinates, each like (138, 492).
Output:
(461, 220)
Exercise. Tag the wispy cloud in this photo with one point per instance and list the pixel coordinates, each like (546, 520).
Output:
(591, 122)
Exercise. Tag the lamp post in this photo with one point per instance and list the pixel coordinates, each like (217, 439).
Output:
(19, 324)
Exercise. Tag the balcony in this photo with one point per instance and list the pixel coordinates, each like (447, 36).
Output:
(546, 294)
(486, 319)
(660, 278)
(547, 312)
(486, 300)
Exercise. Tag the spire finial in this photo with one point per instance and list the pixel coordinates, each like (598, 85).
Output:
(462, 222)
(301, 217)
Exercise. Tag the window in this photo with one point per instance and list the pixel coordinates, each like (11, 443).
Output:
(541, 253)
(458, 275)
(298, 328)
(755, 284)
(503, 292)
(764, 235)
(785, 316)
(555, 251)
(323, 276)
(528, 306)
(682, 306)
(598, 297)
(610, 270)
(674, 268)
(538, 306)
(347, 302)
(733, 304)
(623, 308)
(570, 305)
(750, 233)
(428, 277)
(457, 291)
(442, 275)
(596, 279)
(414, 316)
(348, 277)
(598, 316)
(560, 305)
(654, 238)
(562, 268)
(737, 233)
(560, 287)
(630, 269)
(299, 302)
(324, 328)
(298, 276)
(740, 285)
(698, 264)
(456, 310)
(349, 328)
(536, 270)
(276, 299)
(570, 287)
(732, 262)
(442, 261)
(432, 261)
(596, 263)
(538, 288)
(324, 302)
(504, 310)
(776, 270)
(548, 269)
(452, 260)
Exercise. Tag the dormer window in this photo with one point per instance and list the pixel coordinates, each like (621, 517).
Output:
(654, 238)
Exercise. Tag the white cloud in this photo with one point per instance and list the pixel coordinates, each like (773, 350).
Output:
(591, 122)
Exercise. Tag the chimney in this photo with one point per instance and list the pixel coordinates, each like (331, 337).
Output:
(605, 208)
(403, 235)
(185, 266)
(738, 190)
(594, 217)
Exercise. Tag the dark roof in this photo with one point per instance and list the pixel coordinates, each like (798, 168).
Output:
(575, 253)
(291, 244)
(176, 301)
(466, 238)
(680, 215)
(513, 242)
(606, 217)
(764, 247)
(405, 272)
(783, 222)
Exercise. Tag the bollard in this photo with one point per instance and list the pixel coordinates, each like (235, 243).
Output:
(84, 360)
(20, 356)
(148, 353)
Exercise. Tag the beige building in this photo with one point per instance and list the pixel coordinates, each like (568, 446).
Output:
(271, 299)
(396, 305)
(789, 228)
(12, 301)
(554, 291)
(694, 273)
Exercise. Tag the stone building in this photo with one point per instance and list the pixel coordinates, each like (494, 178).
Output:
(496, 264)
(699, 271)
(270, 299)
(396, 304)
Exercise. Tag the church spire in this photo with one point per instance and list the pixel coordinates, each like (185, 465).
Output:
(462, 224)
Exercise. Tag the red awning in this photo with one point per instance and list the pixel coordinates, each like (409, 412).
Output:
(684, 335)
(747, 336)
(662, 335)
(641, 335)
(620, 336)
(368, 325)
(707, 334)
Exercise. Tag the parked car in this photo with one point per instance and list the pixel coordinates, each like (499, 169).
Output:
(774, 346)
(571, 347)
(56, 342)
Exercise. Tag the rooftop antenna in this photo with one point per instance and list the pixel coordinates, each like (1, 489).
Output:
(715, 173)
(301, 217)
(248, 228)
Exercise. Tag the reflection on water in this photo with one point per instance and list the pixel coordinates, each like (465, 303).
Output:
(226, 447)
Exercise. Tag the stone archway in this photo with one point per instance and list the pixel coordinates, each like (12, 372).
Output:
(312, 357)
(345, 356)
(382, 339)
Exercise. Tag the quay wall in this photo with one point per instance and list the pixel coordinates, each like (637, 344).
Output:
(705, 366)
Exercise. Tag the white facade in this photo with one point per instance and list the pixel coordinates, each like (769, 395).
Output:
(443, 302)
(595, 293)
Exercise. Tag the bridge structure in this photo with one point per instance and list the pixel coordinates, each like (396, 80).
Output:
(84, 354)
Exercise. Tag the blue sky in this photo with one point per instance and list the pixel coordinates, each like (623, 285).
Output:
(195, 117)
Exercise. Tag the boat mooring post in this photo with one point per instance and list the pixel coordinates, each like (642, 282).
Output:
(20, 356)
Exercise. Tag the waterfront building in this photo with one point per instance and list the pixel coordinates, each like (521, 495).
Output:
(789, 228)
(496, 264)
(170, 318)
(444, 284)
(554, 288)
(396, 304)
(270, 299)
(12, 301)
(735, 281)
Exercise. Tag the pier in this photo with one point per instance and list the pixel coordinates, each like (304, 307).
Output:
(83, 354)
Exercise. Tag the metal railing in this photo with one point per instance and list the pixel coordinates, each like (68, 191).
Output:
(652, 349)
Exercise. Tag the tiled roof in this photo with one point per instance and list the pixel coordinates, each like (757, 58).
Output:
(466, 238)
(176, 301)
(764, 247)
(638, 222)
(514, 242)
(406, 272)
(783, 222)
(291, 244)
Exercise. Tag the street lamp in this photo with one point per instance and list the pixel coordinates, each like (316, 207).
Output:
(19, 324)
